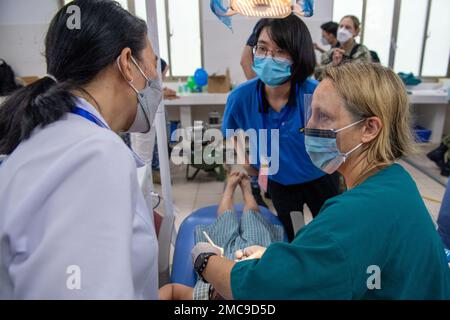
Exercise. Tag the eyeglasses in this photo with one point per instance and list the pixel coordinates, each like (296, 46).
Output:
(262, 51)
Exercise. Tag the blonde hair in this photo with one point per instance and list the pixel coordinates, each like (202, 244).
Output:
(355, 20)
(371, 90)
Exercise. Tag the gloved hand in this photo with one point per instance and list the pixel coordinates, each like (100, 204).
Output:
(253, 252)
(204, 247)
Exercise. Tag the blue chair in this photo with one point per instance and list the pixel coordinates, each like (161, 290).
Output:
(183, 270)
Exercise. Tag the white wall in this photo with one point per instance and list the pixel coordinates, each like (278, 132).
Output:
(222, 48)
(23, 25)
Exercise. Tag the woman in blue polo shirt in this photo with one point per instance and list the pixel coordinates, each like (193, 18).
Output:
(284, 61)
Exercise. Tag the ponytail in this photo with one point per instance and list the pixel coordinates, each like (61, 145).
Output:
(35, 105)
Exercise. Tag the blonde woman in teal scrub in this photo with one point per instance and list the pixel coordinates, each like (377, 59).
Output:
(375, 241)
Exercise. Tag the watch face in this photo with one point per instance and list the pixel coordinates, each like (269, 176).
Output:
(199, 261)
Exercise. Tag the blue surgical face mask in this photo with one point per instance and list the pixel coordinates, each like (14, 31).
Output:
(272, 71)
(321, 146)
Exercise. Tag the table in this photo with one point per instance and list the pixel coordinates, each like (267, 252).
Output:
(429, 104)
(188, 101)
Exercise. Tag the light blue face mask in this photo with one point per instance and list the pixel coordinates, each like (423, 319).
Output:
(272, 71)
(321, 146)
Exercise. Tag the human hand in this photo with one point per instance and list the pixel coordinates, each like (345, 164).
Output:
(253, 252)
(338, 56)
(170, 94)
(235, 178)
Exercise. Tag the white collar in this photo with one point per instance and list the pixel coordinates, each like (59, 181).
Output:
(85, 105)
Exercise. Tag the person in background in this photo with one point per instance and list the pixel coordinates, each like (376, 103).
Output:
(348, 50)
(441, 156)
(169, 94)
(247, 54)
(329, 37)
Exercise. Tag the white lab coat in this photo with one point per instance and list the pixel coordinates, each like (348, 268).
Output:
(73, 221)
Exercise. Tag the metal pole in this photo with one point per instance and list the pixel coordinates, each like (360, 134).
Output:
(394, 37)
(167, 227)
(425, 37)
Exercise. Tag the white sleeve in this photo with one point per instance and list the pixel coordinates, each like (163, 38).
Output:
(85, 249)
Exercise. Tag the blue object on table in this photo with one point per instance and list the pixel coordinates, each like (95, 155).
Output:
(183, 270)
(422, 135)
(201, 77)
(409, 79)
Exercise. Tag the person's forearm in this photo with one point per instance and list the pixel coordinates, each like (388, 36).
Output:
(218, 273)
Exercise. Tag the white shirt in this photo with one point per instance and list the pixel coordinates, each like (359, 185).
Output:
(73, 220)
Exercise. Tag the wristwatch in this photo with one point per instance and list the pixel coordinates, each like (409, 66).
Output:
(201, 262)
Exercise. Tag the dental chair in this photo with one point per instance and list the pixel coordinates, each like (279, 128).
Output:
(183, 270)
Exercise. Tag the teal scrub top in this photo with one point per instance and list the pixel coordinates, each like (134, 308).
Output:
(383, 222)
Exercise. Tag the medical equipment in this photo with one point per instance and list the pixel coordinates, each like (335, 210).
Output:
(212, 243)
(224, 10)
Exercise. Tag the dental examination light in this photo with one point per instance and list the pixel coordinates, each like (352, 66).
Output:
(225, 9)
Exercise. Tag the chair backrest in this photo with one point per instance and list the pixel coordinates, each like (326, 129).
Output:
(182, 269)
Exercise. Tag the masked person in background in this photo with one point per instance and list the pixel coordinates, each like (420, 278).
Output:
(284, 60)
(70, 203)
(347, 49)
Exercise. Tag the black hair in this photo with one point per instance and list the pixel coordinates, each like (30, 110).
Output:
(7, 79)
(330, 27)
(74, 57)
(292, 34)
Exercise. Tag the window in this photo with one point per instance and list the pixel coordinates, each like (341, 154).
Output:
(396, 30)
(437, 47)
(185, 40)
(378, 27)
(413, 15)
(179, 34)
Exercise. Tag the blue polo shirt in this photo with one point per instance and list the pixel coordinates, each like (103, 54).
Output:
(247, 108)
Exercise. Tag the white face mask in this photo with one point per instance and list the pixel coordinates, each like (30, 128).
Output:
(149, 100)
(344, 35)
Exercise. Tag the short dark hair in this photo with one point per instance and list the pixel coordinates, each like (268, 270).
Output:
(74, 58)
(330, 27)
(292, 34)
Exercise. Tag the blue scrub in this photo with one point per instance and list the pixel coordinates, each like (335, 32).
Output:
(247, 109)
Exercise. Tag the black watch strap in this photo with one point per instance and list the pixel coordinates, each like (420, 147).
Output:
(202, 262)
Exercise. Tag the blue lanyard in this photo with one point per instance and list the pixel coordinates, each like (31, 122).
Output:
(89, 116)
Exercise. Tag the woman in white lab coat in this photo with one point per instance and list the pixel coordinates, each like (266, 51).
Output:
(73, 222)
